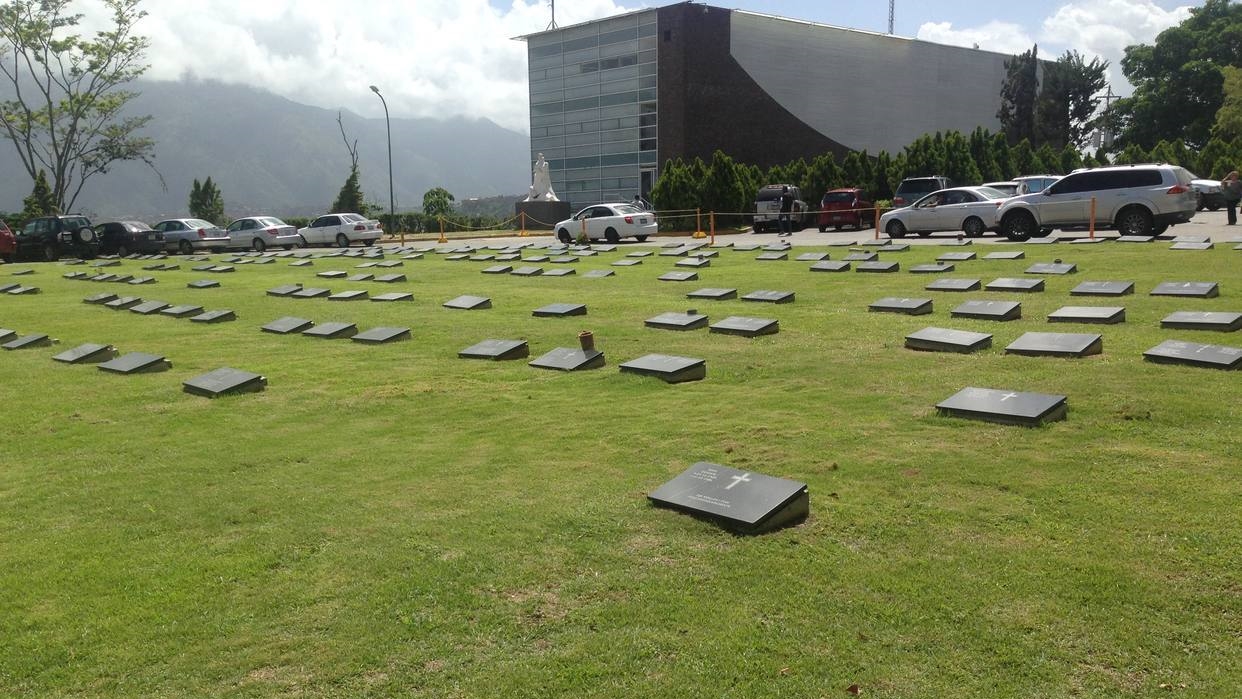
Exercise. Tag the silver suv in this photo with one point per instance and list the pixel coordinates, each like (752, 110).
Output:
(1135, 199)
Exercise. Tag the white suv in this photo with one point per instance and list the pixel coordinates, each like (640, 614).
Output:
(1135, 199)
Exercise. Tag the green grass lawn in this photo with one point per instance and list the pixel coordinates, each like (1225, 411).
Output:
(395, 521)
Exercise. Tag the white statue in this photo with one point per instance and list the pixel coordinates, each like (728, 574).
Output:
(541, 189)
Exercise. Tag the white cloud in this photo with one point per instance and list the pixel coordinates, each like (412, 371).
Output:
(1002, 37)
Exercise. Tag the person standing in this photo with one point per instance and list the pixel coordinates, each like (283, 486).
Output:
(1231, 189)
(786, 209)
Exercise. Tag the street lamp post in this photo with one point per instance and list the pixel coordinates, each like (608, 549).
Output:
(392, 202)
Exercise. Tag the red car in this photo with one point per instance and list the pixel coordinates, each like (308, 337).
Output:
(845, 207)
(8, 243)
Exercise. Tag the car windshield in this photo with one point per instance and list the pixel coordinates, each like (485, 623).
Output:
(918, 186)
(768, 194)
(838, 198)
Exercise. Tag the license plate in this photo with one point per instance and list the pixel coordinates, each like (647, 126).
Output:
(642, 221)
(838, 217)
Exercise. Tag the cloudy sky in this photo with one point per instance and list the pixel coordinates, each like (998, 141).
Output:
(448, 58)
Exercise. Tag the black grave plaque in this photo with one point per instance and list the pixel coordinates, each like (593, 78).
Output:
(770, 296)
(496, 350)
(1191, 246)
(364, 265)
(333, 274)
(1195, 354)
(694, 262)
(28, 341)
(907, 306)
(310, 292)
(677, 321)
(570, 359)
(1103, 289)
(285, 290)
(332, 331)
(667, 367)
(181, 311)
(527, 271)
(137, 281)
(560, 310)
(364, 277)
(203, 284)
(1102, 315)
(224, 381)
(746, 326)
(23, 290)
(1018, 284)
(936, 268)
(713, 294)
(1006, 407)
(861, 257)
(1005, 255)
(123, 302)
(877, 266)
(146, 308)
(956, 257)
(6, 335)
(626, 262)
(639, 253)
(350, 295)
(535, 258)
(381, 335)
(561, 272)
(772, 256)
(831, 266)
(679, 277)
(497, 269)
(988, 310)
(1051, 268)
(955, 285)
(599, 273)
(1199, 320)
(287, 325)
(933, 339)
(218, 316)
(89, 353)
(136, 363)
(1202, 290)
(564, 260)
(1036, 344)
(221, 269)
(811, 257)
(390, 264)
(99, 298)
(301, 263)
(744, 502)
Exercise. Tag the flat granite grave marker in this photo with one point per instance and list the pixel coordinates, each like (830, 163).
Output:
(5, 288)
(1103, 289)
(1191, 246)
(694, 262)
(745, 326)
(1191, 239)
(120, 278)
(570, 359)
(988, 310)
(202, 268)
(626, 262)
(332, 331)
(831, 266)
(956, 257)
(535, 258)
(1135, 239)
(744, 502)
(302, 263)
(89, 353)
(811, 257)
(772, 256)
(1103, 315)
(364, 265)
(933, 339)
(906, 306)
(1044, 241)
(527, 271)
(639, 253)
(599, 274)
(497, 269)
(1195, 354)
(564, 260)
(1198, 320)
(390, 264)
(560, 310)
(679, 277)
(560, 272)
(6, 335)
(713, 294)
(955, 285)
(28, 342)
(1051, 268)
(674, 252)
(381, 335)
(1202, 290)
(287, 325)
(394, 296)
(468, 303)
(666, 367)
(219, 316)
(137, 281)
(745, 247)
(146, 308)
(705, 253)
(285, 290)
(75, 275)
(22, 290)
(877, 266)
(1037, 344)
(107, 263)
(861, 257)
(310, 292)
(1005, 255)
(390, 278)
(1006, 407)
(224, 381)
(508, 257)
(333, 274)
(181, 311)
(482, 258)
(136, 363)
(22, 272)
(690, 320)
(121, 303)
(1018, 284)
(935, 268)
(769, 296)
(364, 277)
(98, 299)
(497, 350)
(203, 284)
(351, 295)
(221, 269)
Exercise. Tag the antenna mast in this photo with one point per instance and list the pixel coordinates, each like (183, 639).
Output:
(891, 4)
(552, 24)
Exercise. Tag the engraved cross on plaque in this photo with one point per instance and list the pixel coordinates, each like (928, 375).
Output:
(1007, 396)
(744, 478)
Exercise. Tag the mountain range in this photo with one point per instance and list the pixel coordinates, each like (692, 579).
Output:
(268, 154)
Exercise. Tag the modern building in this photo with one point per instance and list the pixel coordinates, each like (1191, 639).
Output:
(612, 100)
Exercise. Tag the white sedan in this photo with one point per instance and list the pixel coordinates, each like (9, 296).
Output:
(611, 222)
(341, 230)
(971, 210)
(262, 232)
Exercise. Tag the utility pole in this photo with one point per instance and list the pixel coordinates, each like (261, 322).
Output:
(552, 24)
(891, 7)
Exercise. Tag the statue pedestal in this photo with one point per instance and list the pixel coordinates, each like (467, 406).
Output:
(542, 215)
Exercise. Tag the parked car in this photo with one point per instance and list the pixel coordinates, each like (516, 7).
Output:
(912, 189)
(611, 222)
(1141, 200)
(1208, 194)
(1029, 184)
(8, 243)
(1008, 187)
(341, 230)
(768, 208)
(185, 235)
(262, 232)
(971, 210)
(50, 237)
(124, 237)
(845, 207)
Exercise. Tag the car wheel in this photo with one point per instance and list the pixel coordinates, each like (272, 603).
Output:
(50, 252)
(1199, 201)
(342, 241)
(1019, 226)
(84, 235)
(611, 236)
(301, 242)
(258, 245)
(1134, 220)
(973, 227)
(823, 229)
(1159, 228)
(185, 248)
(563, 236)
(641, 238)
(367, 243)
(895, 229)
(1043, 232)
(121, 250)
(924, 234)
(837, 228)
(1213, 207)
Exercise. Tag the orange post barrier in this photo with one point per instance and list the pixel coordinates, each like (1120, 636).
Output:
(698, 224)
(712, 222)
(1091, 220)
(443, 238)
(523, 224)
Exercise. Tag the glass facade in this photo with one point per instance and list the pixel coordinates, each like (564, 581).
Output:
(593, 106)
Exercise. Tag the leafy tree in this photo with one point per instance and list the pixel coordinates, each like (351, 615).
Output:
(1017, 110)
(1070, 160)
(1131, 154)
(1049, 159)
(1228, 125)
(879, 187)
(351, 199)
(852, 174)
(437, 202)
(1067, 102)
(824, 175)
(206, 202)
(981, 152)
(724, 190)
(1024, 159)
(40, 202)
(68, 115)
(1003, 157)
(959, 165)
(1178, 81)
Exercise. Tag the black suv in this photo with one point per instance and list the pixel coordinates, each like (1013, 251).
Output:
(50, 237)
